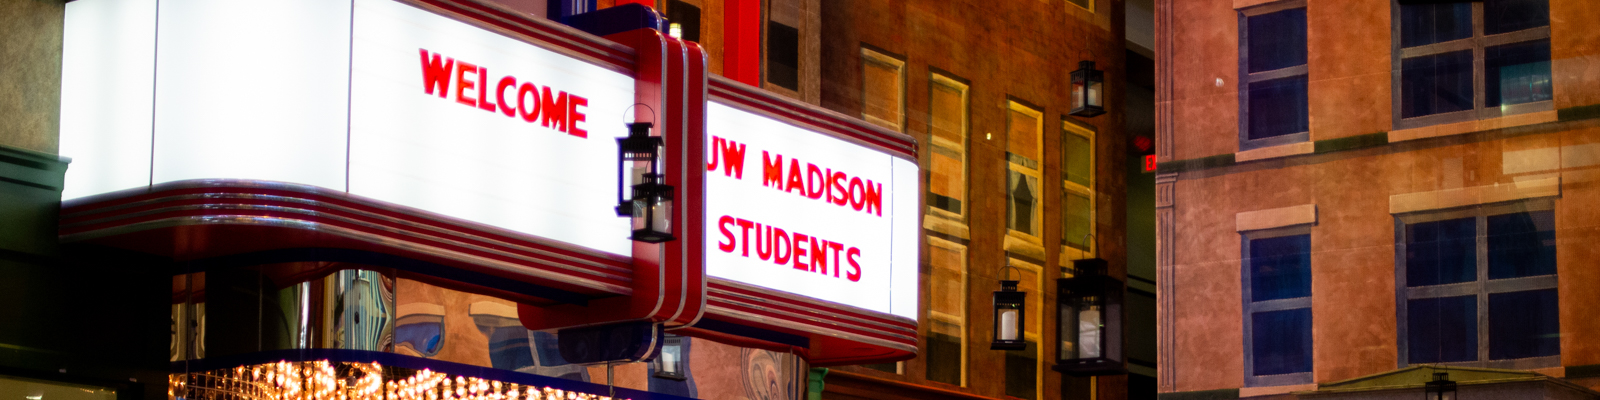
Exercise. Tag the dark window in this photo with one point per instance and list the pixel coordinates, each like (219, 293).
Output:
(1441, 252)
(687, 16)
(1277, 306)
(1021, 193)
(946, 349)
(1283, 341)
(1022, 372)
(1277, 40)
(783, 55)
(1443, 49)
(1443, 329)
(1524, 324)
(1477, 287)
(1278, 107)
(1280, 267)
(1436, 84)
(1434, 23)
(1273, 102)
(1517, 73)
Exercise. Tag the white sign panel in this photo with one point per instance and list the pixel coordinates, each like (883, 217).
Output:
(803, 212)
(373, 97)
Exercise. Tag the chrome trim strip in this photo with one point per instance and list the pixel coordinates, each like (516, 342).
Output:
(741, 315)
(350, 234)
(314, 203)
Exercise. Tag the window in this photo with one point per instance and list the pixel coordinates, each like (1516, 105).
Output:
(1277, 306)
(1443, 49)
(687, 17)
(783, 45)
(1024, 369)
(1477, 287)
(947, 163)
(1023, 125)
(883, 81)
(1273, 107)
(1077, 184)
(947, 312)
(1087, 5)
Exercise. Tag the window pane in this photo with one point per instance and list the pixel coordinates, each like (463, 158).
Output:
(944, 180)
(944, 353)
(1282, 341)
(1442, 330)
(687, 16)
(1422, 24)
(1436, 84)
(881, 82)
(1277, 40)
(1022, 137)
(1280, 268)
(783, 55)
(1524, 324)
(1077, 220)
(1501, 16)
(1278, 107)
(1517, 73)
(1522, 244)
(1022, 191)
(1022, 370)
(1076, 158)
(1441, 252)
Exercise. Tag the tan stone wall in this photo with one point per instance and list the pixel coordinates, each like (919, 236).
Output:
(30, 75)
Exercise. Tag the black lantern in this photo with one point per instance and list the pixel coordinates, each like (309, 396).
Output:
(1088, 94)
(670, 364)
(1010, 316)
(1089, 310)
(1441, 388)
(650, 203)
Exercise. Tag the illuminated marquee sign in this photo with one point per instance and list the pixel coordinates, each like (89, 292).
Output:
(376, 98)
(796, 210)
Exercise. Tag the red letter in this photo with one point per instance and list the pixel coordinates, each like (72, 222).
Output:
(815, 181)
(435, 75)
(500, 94)
(781, 257)
(800, 240)
(819, 255)
(771, 171)
(744, 235)
(855, 274)
(523, 91)
(835, 246)
(764, 249)
(733, 156)
(574, 116)
(716, 143)
(722, 223)
(462, 83)
(855, 189)
(795, 183)
(483, 92)
(555, 110)
(838, 186)
(874, 198)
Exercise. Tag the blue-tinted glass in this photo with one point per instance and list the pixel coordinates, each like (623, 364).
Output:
(1422, 24)
(1524, 324)
(549, 349)
(1277, 40)
(1282, 341)
(1280, 268)
(1436, 84)
(1522, 244)
(1441, 252)
(1517, 73)
(1442, 329)
(1278, 107)
(424, 337)
(1501, 16)
(509, 348)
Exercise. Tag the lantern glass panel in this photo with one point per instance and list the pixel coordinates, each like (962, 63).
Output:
(1090, 324)
(1078, 89)
(1095, 84)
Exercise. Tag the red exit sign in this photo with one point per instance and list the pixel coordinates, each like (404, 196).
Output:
(1150, 163)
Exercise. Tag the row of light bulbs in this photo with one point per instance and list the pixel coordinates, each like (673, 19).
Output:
(320, 380)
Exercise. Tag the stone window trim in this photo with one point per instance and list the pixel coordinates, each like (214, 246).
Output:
(1481, 287)
(958, 320)
(1246, 77)
(1027, 167)
(957, 148)
(1084, 5)
(1477, 43)
(1037, 314)
(872, 56)
(1070, 126)
(1250, 307)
